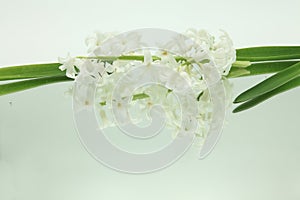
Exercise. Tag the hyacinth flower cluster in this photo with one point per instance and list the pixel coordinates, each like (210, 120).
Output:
(105, 72)
(106, 64)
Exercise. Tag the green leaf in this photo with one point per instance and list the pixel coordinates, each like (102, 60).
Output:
(28, 84)
(268, 53)
(253, 102)
(30, 71)
(270, 83)
(260, 68)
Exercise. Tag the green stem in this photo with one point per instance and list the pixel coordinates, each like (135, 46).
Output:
(259, 68)
(241, 64)
(127, 57)
(134, 98)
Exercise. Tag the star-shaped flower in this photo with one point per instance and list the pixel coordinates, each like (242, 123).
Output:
(70, 64)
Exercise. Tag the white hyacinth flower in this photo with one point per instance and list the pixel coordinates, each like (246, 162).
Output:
(120, 104)
(69, 63)
(221, 50)
(212, 52)
(94, 69)
(86, 85)
(116, 46)
(96, 39)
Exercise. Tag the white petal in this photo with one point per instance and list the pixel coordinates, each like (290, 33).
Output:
(147, 58)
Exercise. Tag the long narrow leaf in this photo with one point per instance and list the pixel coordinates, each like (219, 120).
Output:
(30, 71)
(268, 53)
(28, 84)
(271, 83)
(253, 102)
(260, 68)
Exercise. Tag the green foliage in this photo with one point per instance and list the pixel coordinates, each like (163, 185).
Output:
(29, 84)
(30, 71)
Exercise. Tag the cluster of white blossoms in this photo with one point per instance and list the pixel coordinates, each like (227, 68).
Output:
(121, 98)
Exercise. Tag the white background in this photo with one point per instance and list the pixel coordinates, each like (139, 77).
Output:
(258, 156)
